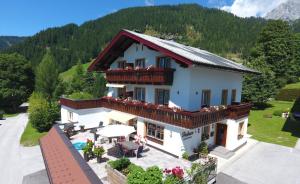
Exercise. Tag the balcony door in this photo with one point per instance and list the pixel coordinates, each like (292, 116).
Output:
(139, 94)
(140, 63)
(163, 62)
(205, 101)
(162, 96)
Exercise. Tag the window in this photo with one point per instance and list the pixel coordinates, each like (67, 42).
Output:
(70, 116)
(163, 62)
(140, 63)
(162, 96)
(139, 94)
(205, 98)
(224, 97)
(205, 133)
(121, 64)
(122, 92)
(233, 95)
(155, 131)
(241, 130)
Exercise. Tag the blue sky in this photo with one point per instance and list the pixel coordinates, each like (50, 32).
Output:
(27, 17)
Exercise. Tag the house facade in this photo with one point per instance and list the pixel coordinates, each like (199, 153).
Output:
(174, 95)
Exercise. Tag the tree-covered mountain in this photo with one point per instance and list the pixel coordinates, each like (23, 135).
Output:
(8, 41)
(216, 31)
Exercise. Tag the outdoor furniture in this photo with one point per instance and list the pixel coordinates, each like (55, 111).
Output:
(115, 131)
(129, 146)
(139, 151)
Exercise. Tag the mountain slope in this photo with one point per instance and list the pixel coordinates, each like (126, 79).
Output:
(218, 31)
(8, 41)
(286, 11)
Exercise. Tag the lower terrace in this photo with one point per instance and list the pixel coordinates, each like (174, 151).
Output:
(174, 116)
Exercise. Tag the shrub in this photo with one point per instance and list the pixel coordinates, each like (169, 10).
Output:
(277, 113)
(203, 148)
(185, 156)
(153, 175)
(81, 96)
(42, 114)
(132, 168)
(99, 151)
(120, 164)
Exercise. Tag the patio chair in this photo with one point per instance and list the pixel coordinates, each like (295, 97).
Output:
(120, 151)
(139, 151)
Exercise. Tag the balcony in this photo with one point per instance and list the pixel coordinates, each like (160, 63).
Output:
(157, 76)
(177, 117)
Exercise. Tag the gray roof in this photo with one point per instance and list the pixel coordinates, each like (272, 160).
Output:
(195, 55)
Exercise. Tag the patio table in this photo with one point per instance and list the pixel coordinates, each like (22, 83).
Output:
(129, 146)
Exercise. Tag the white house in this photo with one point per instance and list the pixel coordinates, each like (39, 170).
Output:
(175, 95)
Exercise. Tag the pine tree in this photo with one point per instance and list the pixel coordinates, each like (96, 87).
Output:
(46, 75)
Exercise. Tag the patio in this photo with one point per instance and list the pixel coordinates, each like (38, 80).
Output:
(151, 157)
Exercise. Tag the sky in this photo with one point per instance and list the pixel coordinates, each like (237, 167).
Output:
(27, 17)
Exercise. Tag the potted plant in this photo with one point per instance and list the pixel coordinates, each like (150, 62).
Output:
(98, 153)
(85, 153)
(88, 150)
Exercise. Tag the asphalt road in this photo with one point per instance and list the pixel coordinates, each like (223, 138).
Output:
(265, 163)
(16, 161)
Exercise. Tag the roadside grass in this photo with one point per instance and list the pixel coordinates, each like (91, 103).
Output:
(31, 136)
(9, 115)
(266, 127)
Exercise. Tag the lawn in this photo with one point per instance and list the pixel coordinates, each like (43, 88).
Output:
(274, 129)
(67, 75)
(293, 86)
(31, 136)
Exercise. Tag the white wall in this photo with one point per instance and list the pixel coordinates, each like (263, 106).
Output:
(89, 117)
(232, 141)
(188, 83)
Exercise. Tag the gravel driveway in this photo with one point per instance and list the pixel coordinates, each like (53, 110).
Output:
(266, 163)
(17, 161)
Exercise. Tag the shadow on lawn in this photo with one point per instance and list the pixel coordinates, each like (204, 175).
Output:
(292, 124)
(261, 106)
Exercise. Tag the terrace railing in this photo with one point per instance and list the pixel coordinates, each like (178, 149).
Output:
(186, 119)
(158, 76)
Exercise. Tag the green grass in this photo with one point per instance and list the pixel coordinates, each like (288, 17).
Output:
(293, 86)
(8, 115)
(67, 75)
(31, 136)
(274, 130)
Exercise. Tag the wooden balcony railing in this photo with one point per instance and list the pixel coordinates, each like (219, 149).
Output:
(158, 76)
(186, 119)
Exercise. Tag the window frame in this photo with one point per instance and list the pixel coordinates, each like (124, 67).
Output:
(241, 130)
(143, 90)
(139, 60)
(224, 95)
(209, 97)
(70, 116)
(157, 131)
(123, 62)
(165, 101)
(158, 60)
(205, 135)
(233, 95)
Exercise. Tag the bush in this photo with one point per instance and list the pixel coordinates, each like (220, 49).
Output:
(132, 168)
(153, 175)
(185, 156)
(42, 114)
(81, 96)
(203, 148)
(288, 94)
(277, 113)
(120, 164)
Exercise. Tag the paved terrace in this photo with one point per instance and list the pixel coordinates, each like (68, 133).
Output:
(153, 157)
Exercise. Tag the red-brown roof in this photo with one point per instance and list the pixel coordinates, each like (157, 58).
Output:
(63, 162)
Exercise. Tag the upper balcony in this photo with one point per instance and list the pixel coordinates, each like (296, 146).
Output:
(174, 116)
(157, 76)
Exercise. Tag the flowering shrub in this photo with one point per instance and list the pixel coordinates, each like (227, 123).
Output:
(176, 172)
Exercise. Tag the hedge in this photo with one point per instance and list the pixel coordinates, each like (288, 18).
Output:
(288, 94)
